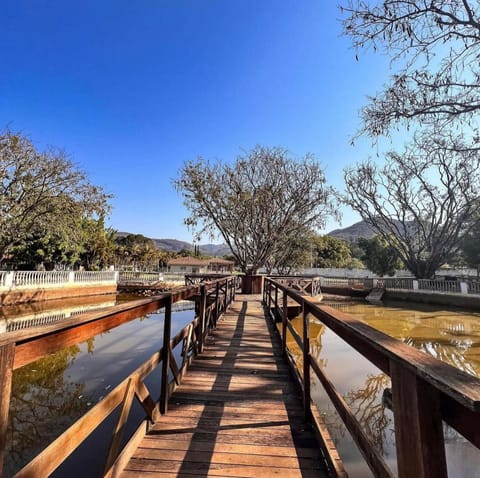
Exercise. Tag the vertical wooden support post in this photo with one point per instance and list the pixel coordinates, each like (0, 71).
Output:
(306, 364)
(167, 331)
(217, 304)
(276, 302)
(201, 314)
(284, 321)
(418, 426)
(7, 354)
(269, 298)
(225, 302)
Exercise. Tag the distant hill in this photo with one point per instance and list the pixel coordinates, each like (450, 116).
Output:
(362, 229)
(354, 232)
(174, 245)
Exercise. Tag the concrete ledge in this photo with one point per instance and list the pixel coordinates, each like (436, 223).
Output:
(436, 298)
(40, 294)
(346, 291)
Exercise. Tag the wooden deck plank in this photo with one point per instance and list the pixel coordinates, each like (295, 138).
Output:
(237, 413)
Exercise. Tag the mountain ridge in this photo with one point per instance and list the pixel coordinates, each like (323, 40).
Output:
(360, 229)
(349, 233)
(176, 245)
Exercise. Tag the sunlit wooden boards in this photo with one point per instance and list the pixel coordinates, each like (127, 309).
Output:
(236, 414)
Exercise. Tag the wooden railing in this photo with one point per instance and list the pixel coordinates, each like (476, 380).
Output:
(425, 391)
(22, 347)
(192, 279)
(306, 285)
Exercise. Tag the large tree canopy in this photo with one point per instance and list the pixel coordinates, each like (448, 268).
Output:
(421, 200)
(41, 192)
(379, 256)
(434, 47)
(259, 204)
(330, 251)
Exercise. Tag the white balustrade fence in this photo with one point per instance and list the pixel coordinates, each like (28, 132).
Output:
(95, 276)
(405, 283)
(439, 285)
(394, 283)
(12, 280)
(16, 280)
(140, 276)
(42, 278)
(473, 287)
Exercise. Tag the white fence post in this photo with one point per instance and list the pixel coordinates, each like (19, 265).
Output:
(71, 277)
(463, 288)
(415, 284)
(9, 279)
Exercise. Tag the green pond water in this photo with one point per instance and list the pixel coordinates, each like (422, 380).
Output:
(449, 334)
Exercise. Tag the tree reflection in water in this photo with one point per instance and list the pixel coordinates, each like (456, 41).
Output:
(367, 406)
(43, 404)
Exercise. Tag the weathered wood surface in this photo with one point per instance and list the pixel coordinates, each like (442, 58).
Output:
(236, 414)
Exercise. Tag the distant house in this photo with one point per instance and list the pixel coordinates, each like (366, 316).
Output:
(194, 265)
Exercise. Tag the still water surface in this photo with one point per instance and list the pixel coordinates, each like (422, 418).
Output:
(50, 394)
(449, 334)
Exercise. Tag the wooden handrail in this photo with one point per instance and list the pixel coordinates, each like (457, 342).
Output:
(35, 343)
(425, 390)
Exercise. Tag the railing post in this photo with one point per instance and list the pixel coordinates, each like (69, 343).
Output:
(202, 306)
(284, 321)
(167, 330)
(217, 303)
(7, 353)
(232, 289)
(9, 279)
(306, 364)
(225, 302)
(269, 301)
(418, 426)
(276, 301)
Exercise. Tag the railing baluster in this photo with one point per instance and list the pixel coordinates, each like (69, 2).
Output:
(217, 304)
(225, 302)
(284, 322)
(167, 330)
(276, 299)
(201, 313)
(122, 420)
(306, 363)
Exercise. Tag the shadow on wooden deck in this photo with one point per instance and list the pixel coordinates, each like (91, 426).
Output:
(237, 413)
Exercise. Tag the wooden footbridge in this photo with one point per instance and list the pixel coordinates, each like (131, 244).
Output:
(236, 413)
(244, 408)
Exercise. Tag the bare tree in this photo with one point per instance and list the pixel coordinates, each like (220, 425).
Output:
(41, 191)
(258, 204)
(419, 201)
(435, 47)
(297, 255)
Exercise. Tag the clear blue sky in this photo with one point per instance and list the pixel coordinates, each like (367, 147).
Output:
(131, 89)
